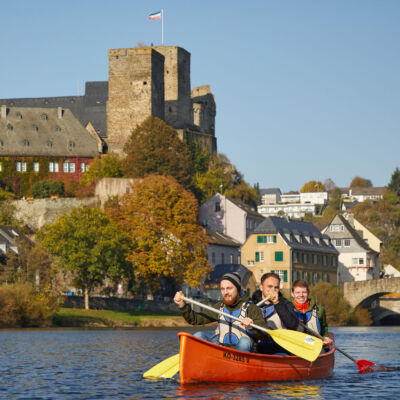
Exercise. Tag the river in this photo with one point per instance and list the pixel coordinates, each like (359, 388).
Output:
(108, 364)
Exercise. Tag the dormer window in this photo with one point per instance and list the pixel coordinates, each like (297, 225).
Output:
(18, 115)
(217, 206)
(35, 127)
(58, 129)
(71, 145)
(44, 117)
(10, 127)
(50, 144)
(26, 143)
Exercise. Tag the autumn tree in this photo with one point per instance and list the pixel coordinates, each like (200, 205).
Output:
(313, 186)
(108, 166)
(329, 184)
(160, 217)
(358, 182)
(394, 184)
(89, 244)
(155, 148)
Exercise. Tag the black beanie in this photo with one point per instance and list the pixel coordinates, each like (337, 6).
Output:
(233, 277)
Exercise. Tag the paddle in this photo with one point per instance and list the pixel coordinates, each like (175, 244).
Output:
(363, 365)
(297, 343)
(165, 369)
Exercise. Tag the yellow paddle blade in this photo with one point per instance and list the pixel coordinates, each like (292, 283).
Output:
(164, 369)
(298, 343)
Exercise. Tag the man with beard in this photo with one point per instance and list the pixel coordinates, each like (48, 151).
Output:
(231, 333)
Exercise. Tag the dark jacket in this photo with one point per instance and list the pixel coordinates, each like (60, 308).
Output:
(206, 316)
(284, 308)
(321, 315)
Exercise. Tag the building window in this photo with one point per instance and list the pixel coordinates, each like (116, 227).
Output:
(257, 256)
(314, 259)
(360, 261)
(69, 167)
(71, 145)
(333, 261)
(35, 166)
(282, 275)
(304, 258)
(261, 256)
(26, 143)
(58, 129)
(21, 166)
(324, 260)
(346, 242)
(222, 258)
(213, 258)
(44, 117)
(84, 167)
(266, 239)
(53, 166)
(314, 278)
(279, 256)
(49, 143)
(10, 127)
(250, 263)
(336, 228)
(217, 206)
(231, 259)
(338, 242)
(295, 257)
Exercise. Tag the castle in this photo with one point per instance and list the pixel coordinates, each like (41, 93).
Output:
(142, 82)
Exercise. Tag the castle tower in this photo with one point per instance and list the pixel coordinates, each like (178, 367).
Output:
(135, 91)
(204, 109)
(178, 108)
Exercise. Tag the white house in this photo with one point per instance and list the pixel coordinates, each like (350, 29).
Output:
(229, 216)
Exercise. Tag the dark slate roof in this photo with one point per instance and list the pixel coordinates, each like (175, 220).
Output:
(219, 238)
(40, 132)
(221, 269)
(9, 234)
(349, 204)
(88, 108)
(270, 191)
(245, 207)
(283, 226)
(360, 241)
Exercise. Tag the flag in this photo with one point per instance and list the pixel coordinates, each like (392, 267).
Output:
(156, 15)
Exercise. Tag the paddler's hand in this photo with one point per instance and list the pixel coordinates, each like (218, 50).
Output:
(327, 341)
(274, 298)
(246, 322)
(178, 299)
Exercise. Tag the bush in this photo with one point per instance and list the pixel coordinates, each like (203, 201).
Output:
(41, 190)
(22, 306)
(361, 317)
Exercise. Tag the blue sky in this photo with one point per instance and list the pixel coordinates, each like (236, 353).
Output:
(304, 89)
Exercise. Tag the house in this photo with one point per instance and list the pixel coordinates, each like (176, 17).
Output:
(8, 239)
(229, 216)
(292, 249)
(43, 143)
(222, 249)
(211, 285)
(270, 196)
(361, 194)
(357, 260)
(292, 210)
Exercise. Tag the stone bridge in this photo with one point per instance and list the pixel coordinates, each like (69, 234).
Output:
(368, 294)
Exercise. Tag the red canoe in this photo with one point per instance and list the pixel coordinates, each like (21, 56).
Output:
(202, 361)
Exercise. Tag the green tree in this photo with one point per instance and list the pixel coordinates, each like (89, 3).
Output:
(155, 148)
(394, 184)
(108, 166)
(41, 190)
(360, 182)
(160, 217)
(89, 244)
(313, 186)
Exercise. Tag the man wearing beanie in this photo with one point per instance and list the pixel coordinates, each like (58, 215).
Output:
(231, 333)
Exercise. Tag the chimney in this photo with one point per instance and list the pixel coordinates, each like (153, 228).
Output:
(3, 111)
(60, 112)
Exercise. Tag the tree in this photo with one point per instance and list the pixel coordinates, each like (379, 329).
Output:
(394, 184)
(160, 217)
(41, 190)
(359, 182)
(89, 244)
(313, 186)
(155, 148)
(108, 166)
(329, 184)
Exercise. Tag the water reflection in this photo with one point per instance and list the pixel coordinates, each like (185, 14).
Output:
(238, 391)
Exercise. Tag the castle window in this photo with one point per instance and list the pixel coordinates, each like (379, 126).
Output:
(18, 115)
(10, 127)
(35, 127)
(21, 166)
(144, 83)
(1, 144)
(49, 143)
(26, 143)
(58, 129)
(44, 117)
(36, 166)
(53, 166)
(71, 145)
(69, 167)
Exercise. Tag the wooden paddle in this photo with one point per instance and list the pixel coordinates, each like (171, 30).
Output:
(363, 365)
(297, 343)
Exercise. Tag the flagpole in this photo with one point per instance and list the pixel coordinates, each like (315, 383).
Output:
(162, 27)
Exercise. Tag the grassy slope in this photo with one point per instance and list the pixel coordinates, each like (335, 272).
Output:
(73, 317)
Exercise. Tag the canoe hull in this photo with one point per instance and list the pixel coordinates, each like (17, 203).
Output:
(202, 361)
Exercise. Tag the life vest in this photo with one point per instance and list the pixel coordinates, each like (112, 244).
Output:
(230, 331)
(310, 319)
(271, 317)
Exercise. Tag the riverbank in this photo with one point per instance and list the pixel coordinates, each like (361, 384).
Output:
(76, 317)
